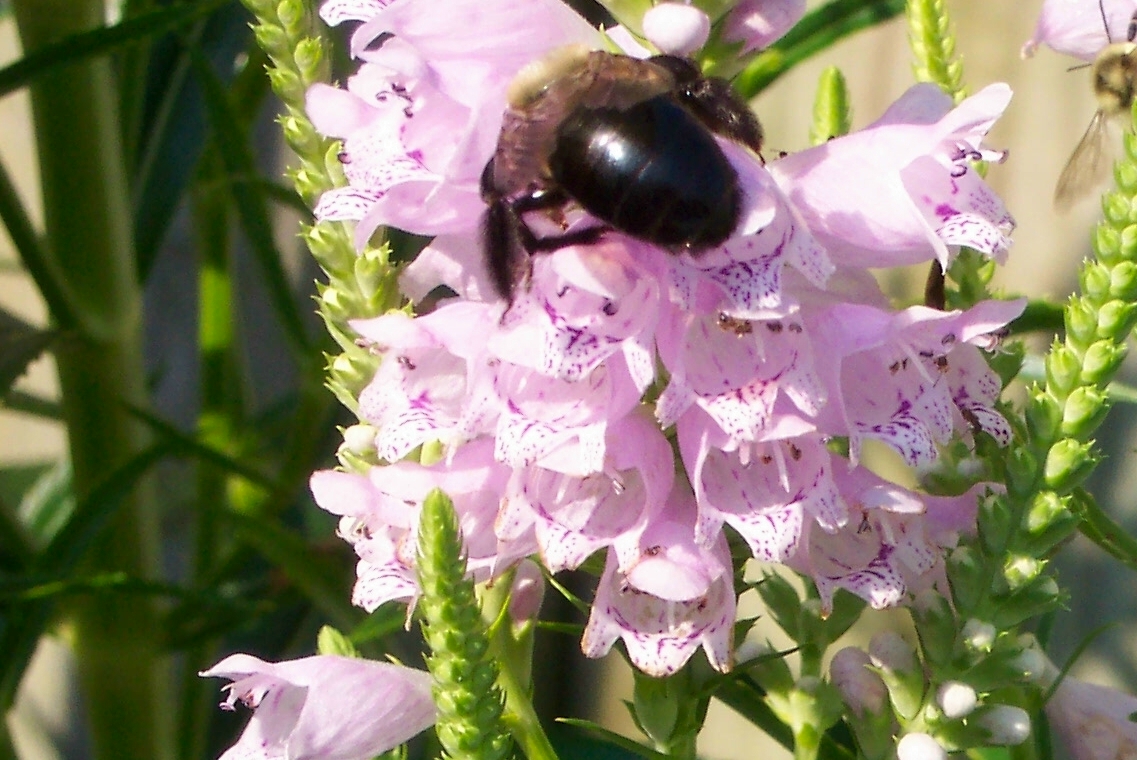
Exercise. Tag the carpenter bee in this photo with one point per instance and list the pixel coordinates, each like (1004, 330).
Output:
(1114, 74)
(630, 141)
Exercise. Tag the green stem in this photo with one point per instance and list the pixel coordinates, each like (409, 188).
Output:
(88, 239)
(511, 645)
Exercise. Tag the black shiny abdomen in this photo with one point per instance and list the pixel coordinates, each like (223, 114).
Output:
(652, 170)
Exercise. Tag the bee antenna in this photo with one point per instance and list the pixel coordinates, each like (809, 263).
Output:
(1104, 22)
(1079, 66)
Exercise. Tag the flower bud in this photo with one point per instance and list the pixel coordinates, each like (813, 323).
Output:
(956, 699)
(527, 592)
(1095, 279)
(969, 582)
(831, 110)
(1110, 244)
(1063, 369)
(862, 689)
(1019, 571)
(1043, 416)
(1116, 209)
(1005, 724)
(676, 28)
(1081, 322)
(1085, 408)
(330, 641)
(919, 746)
(1035, 598)
(1101, 361)
(1123, 281)
(309, 57)
(1116, 319)
(1067, 463)
(286, 84)
(899, 669)
(271, 38)
(1022, 473)
(360, 439)
(978, 636)
(996, 522)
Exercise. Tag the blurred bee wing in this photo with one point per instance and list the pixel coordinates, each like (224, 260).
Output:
(1088, 166)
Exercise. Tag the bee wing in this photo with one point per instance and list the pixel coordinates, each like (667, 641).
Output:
(1088, 164)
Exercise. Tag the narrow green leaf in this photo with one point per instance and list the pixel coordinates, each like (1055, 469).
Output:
(321, 581)
(101, 41)
(20, 345)
(818, 30)
(230, 139)
(29, 403)
(21, 626)
(1100, 528)
(187, 444)
(613, 738)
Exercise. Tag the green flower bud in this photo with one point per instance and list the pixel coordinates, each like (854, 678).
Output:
(372, 273)
(1115, 208)
(1125, 174)
(1019, 571)
(967, 576)
(271, 38)
(1043, 415)
(1063, 369)
(1068, 463)
(1085, 409)
(309, 56)
(1116, 319)
(1035, 598)
(1081, 322)
(1123, 281)
(1049, 522)
(978, 636)
(292, 16)
(1022, 473)
(1095, 279)
(287, 85)
(996, 523)
(831, 110)
(331, 641)
(1101, 361)
(1112, 246)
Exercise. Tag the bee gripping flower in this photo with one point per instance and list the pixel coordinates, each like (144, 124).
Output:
(324, 707)
(1074, 27)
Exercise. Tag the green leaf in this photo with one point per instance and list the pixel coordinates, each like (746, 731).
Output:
(818, 30)
(173, 127)
(604, 740)
(22, 625)
(1100, 528)
(232, 146)
(101, 41)
(320, 579)
(20, 345)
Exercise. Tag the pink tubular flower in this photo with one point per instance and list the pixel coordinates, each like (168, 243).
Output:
(421, 117)
(891, 547)
(902, 190)
(380, 518)
(924, 371)
(673, 596)
(1075, 27)
(324, 707)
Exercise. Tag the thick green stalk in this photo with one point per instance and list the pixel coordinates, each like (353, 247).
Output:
(86, 214)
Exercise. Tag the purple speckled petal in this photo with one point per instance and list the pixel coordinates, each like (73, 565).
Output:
(376, 585)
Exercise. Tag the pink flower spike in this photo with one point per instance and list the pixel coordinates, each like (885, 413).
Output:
(759, 23)
(324, 707)
(673, 598)
(917, 196)
(1074, 27)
